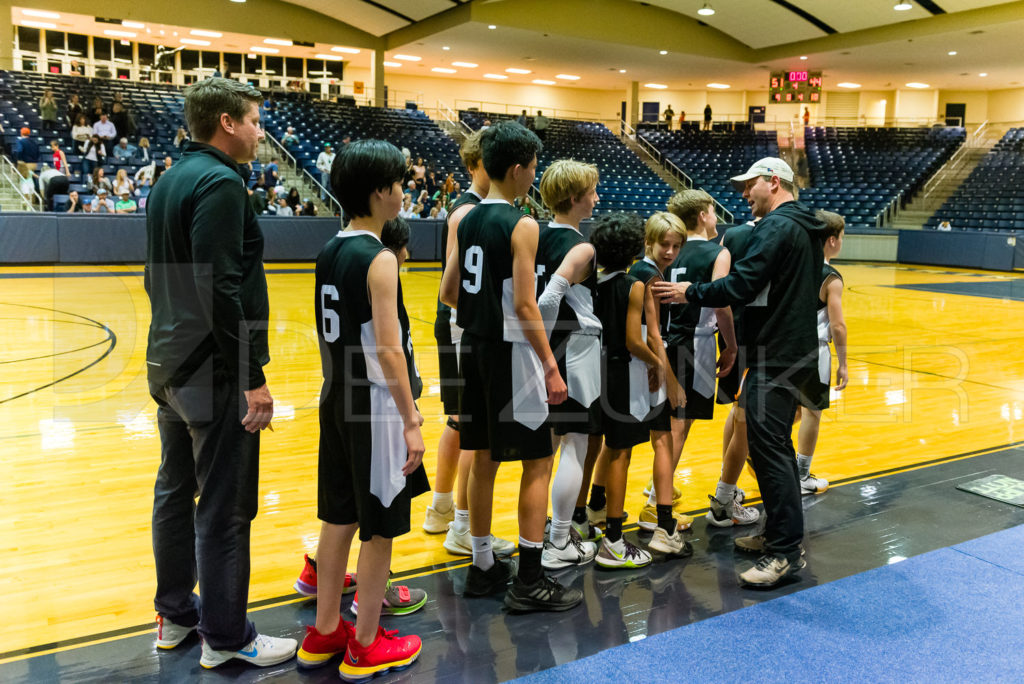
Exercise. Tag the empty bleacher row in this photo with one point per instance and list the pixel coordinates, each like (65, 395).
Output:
(858, 172)
(992, 197)
(711, 158)
(627, 184)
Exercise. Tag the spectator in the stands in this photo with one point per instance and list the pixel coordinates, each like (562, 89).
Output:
(81, 130)
(123, 150)
(144, 176)
(807, 116)
(102, 204)
(3, 143)
(74, 203)
(125, 204)
(430, 185)
(48, 110)
(180, 137)
(290, 139)
(272, 173)
(160, 169)
(142, 154)
(408, 157)
(27, 182)
(486, 124)
(707, 117)
(449, 184)
(76, 68)
(74, 109)
(439, 211)
(346, 139)
(282, 208)
(93, 154)
(99, 181)
(540, 125)
(26, 150)
(122, 183)
(323, 165)
(410, 189)
(294, 199)
(95, 109)
(51, 182)
(60, 160)
(107, 132)
(216, 72)
(407, 209)
(524, 119)
(308, 209)
(423, 202)
(419, 173)
(945, 225)
(121, 119)
(261, 183)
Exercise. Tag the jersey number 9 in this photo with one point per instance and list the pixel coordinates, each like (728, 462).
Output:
(475, 267)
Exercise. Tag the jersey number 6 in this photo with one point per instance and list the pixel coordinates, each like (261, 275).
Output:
(330, 322)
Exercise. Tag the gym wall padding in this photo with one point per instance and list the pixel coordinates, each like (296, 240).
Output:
(993, 251)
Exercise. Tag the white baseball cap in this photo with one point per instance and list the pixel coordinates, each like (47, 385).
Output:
(769, 166)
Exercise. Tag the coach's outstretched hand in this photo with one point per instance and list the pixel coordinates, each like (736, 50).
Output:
(670, 293)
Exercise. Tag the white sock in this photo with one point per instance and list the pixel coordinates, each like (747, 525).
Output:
(442, 502)
(652, 500)
(565, 488)
(725, 492)
(803, 465)
(461, 525)
(483, 557)
(530, 544)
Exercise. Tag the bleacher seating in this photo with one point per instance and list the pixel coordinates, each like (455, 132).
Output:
(858, 172)
(711, 158)
(992, 197)
(627, 184)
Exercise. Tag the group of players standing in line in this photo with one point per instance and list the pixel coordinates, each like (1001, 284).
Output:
(549, 341)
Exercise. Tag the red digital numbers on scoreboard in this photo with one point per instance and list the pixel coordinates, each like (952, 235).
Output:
(814, 81)
(797, 76)
(815, 97)
(794, 86)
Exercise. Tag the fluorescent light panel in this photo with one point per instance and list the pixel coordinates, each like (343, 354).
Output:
(567, 77)
(260, 48)
(656, 86)
(133, 24)
(333, 58)
(847, 84)
(41, 14)
(194, 41)
(407, 58)
(346, 50)
(466, 65)
(497, 77)
(392, 64)
(443, 70)
(917, 85)
(513, 70)
(543, 81)
(119, 34)
(719, 86)
(206, 34)
(38, 24)
(277, 41)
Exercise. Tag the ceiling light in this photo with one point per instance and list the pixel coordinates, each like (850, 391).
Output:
(543, 81)
(902, 6)
(120, 34)
(62, 51)
(567, 77)
(498, 77)
(951, 53)
(133, 24)
(194, 41)
(918, 85)
(251, 56)
(206, 34)
(237, 0)
(517, 71)
(492, 27)
(319, 73)
(443, 70)
(983, 74)
(332, 58)
(466, 65)
(847, 84)
(622, 71)
(392, 64)
(445, 47)
(719, 86)
(260, 48)
(662, 52)
(277, 41)
(38, 24)
(42, 14)
(804, 57)
(656, 86)
(346, 50)
(407, 58)
(706, 11)
(122, 60)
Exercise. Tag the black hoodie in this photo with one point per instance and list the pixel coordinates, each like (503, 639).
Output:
(778, 279)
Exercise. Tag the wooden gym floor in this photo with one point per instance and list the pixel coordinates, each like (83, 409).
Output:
(936, 370)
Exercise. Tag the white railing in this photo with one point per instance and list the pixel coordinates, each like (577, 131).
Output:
(305, 176)
(681, 176)
(32, 202)
(956, 162)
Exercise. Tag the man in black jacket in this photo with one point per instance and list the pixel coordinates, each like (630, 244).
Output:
(777, 280)
(207, 347)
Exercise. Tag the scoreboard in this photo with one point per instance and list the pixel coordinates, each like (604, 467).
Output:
(794, 86)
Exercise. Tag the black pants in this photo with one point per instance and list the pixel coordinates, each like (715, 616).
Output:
(205, 453)
(771, 398)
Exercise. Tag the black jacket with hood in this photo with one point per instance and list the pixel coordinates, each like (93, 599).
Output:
(778, 280)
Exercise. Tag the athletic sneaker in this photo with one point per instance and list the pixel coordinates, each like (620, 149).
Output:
(317, 649)
(600, 516)
(398, 600)
(263, 651)
(387, 652)
(770, 569)
(755, 544)
(648, 519)
(575, 552)
(622, 554)
(306, 584)
(587, 531)
(544, 594)
(461, 543)
(486, 582)
(813, 485)
(170, 634)
(435, 522)
(677, 493)
(673, 545)
(732, 513)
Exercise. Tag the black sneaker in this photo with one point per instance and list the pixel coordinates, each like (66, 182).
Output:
(486, 582)
(544, 594)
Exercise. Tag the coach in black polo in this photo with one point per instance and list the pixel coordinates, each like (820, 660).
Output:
(207, 347)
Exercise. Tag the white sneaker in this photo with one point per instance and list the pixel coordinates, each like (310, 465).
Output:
(813, 485)
(673, 545)
(769, 570)
(622, 554)
(732, 513)
(587, 531)
(263, 651)
(461, 543)
(598, 516)
(169, 634)
(677, 493)
(435, 522)
(575, 552)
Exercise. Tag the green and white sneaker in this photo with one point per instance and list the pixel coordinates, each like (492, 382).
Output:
(621, 554)
(587, 531)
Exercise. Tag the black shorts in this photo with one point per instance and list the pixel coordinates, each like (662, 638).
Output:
(621, 430)
(343, 481)
(697, 407)
(729, 386)
(486, 415)
(447, 363)
(815, 395)
(660, 418)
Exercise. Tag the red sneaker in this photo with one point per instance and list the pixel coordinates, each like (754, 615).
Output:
(387, 652)
(306, 584)
(319, 648)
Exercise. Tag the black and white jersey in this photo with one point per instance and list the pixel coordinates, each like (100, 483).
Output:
(576, 312)
(645, 271)
(468, 197)
(695, 264)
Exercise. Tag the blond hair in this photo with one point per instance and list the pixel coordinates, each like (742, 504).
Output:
(470, 151)
(658, 226)
(565, 180)
(688, 205)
